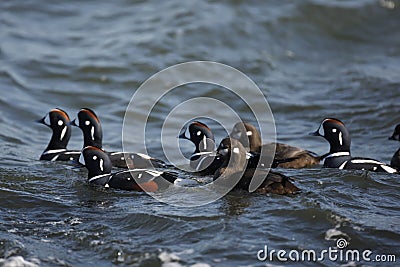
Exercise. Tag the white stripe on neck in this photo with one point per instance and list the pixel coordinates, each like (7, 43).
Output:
(338, 154)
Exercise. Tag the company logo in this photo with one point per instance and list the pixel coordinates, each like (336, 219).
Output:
(338, 253)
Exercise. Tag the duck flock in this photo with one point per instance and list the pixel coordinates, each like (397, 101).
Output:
(242, 155)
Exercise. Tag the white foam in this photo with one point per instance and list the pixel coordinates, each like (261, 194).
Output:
(17, 261)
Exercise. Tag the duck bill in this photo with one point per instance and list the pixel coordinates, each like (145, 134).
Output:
(73, 123)
(182, 134)
(316, 133)
(45, 120)
(41, 121)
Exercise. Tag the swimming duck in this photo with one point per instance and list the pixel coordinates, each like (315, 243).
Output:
(58, 121)
(234, 164)
(99, 167)
(336, 133)
(90, 125)
(286, 156)
(204, 159)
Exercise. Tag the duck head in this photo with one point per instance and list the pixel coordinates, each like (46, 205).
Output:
(58, 120)
(248, 135)
(96, 161)
(336, 133)
(200, 135)
(89, 123)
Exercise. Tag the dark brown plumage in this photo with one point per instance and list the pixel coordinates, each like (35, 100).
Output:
(249, 136)
(234, 166)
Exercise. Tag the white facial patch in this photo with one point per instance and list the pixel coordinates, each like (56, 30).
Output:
(236, 150)
(82, 159)
(92, 132)
(340, 138)
(334, 130)
(249, 133)
(198, 133)
(321, 130)
(94, 157)
(60, 122)
(87, 122)
(64, 130)
(47, 119)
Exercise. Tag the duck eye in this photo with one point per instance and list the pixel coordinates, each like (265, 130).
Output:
(94, 157)
(334, 130)
(198, 133)
(87, 122)
(60, 122)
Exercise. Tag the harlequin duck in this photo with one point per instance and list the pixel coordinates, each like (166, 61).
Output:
(90, 125)
(204, 159)
(286, 156)
(99, 167)
(395, 162)
(234, 154)
(335, 132)
(58, 120)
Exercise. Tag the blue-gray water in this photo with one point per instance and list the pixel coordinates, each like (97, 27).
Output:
(312, 59)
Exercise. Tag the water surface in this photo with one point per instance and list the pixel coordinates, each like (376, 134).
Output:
(312, 59)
